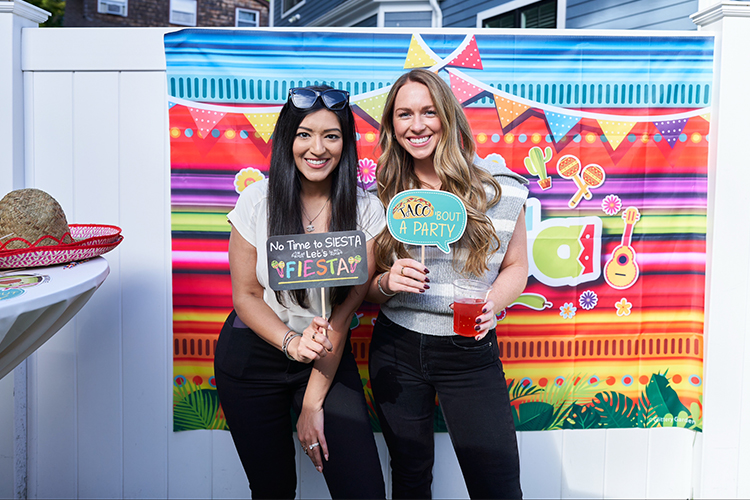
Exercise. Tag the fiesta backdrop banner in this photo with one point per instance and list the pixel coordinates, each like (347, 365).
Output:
(610, 130)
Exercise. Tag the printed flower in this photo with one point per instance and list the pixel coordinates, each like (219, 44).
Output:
(366, 172)
(245, 177)
(567, 310)
(501, 315)
(588, 300)
(611, 204)
(623, 307)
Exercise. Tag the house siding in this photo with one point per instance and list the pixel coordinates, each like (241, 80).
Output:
(370, 22)
(144, 13)
(416, 19)
(636, 14)
(463, 14)
(308, 12)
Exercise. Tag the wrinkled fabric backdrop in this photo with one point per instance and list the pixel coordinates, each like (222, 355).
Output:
(610, 130)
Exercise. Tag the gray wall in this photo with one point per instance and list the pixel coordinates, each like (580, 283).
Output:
(418, 19)
(637, 14)
(592, 14)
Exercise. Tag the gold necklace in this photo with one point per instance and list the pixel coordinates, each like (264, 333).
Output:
(310, 228)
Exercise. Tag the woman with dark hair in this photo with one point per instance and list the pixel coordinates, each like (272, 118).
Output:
(426, 143)
(276, 352)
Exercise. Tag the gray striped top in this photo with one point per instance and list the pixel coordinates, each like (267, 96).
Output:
(428, 312)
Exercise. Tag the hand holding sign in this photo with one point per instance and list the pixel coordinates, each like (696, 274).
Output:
(317, 260)
(427, 217)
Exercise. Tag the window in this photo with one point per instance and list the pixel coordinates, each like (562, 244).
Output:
(245, 18)
(183, 12)
(541, 14)
(289, 5)
(114, 7)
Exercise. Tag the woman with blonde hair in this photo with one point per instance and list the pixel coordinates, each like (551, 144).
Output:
(426, 143)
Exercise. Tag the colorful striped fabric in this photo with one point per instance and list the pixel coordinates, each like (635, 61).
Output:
(612, 133)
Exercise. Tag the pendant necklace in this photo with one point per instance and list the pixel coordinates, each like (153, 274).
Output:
(310, 228)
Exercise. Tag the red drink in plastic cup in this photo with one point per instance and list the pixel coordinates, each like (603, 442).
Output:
(465, 316)
(469, 297)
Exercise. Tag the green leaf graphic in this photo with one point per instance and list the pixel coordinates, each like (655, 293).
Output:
(534, 416)
(582, 417)
(662, 397)
(199, 410)
(615, 409)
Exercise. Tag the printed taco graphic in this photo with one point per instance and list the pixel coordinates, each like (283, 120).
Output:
(413, 207)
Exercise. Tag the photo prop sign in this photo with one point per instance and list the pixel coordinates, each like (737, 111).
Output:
(610, 130)
(320, 260)
(426, 217)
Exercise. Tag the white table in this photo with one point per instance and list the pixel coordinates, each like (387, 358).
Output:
(36, 302)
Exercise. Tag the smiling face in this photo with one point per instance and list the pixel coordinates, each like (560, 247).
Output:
(416, 124)
(318, 145)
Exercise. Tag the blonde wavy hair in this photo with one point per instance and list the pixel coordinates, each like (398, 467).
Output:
(454, 165)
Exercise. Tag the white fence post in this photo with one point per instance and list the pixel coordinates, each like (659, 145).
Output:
(725, 440)
(14, 16)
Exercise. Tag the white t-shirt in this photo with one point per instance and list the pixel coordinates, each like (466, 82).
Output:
(250, 218)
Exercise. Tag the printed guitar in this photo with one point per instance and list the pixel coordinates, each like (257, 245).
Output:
(621, 270)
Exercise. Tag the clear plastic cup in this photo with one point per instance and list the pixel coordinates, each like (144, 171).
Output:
(469, 297)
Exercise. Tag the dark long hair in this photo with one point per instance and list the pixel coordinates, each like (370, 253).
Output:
(284, 185)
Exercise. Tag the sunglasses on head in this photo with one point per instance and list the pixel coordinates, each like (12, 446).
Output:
(305, 97)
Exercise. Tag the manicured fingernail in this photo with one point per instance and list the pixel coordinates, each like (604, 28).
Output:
(426, 270)
(320, 469)
(479, 320)
(484, 310)
(326, 455)
(476, 328)
(427, 280)
(427, 287)
(421, 291)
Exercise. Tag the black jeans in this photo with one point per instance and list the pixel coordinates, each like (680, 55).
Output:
(258, 387)
(407, 370)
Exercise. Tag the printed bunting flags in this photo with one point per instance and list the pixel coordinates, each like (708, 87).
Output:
(468, 57)
(205, 119)
(371, 105)
(615, 132)
(508, 110)
(671, 129)
(420, 55)
(560, 124)
(263, 123)
(464, 90)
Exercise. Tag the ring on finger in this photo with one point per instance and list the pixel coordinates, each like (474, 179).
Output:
(402, 270)
(313, 336)
(313, 446)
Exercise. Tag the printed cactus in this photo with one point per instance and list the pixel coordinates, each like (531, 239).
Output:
(536, 164)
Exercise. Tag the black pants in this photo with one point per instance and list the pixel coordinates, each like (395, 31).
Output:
(258, 387)
(407, 370)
